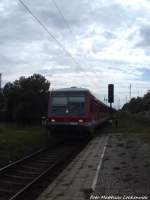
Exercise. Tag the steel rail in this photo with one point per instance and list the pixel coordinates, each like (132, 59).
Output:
(7, 167)
(14, 186)
(27, 187)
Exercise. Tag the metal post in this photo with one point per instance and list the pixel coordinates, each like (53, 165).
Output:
(130, 91)
(0, 81)
(111, 111)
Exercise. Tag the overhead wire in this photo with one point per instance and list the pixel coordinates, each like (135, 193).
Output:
(70, 30)
(51, 35)
(48, 32)
(62, 15)
(68, 25)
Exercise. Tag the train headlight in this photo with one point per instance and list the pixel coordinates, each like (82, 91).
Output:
(52, 120)
(81, 120)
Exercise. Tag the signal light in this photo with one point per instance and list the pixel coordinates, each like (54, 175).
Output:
(110, 93)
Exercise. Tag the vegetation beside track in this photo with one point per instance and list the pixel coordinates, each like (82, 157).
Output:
(129, 123)
(18, 141)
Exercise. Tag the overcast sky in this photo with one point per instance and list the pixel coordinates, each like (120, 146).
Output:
(108, 42)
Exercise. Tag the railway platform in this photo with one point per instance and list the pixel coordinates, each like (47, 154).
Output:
(125, 171)
(110, 167)
(76, 181)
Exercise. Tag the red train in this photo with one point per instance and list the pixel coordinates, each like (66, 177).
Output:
(75, 111)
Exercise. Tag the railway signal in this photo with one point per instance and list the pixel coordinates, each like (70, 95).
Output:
(110, 93)
(111, 96)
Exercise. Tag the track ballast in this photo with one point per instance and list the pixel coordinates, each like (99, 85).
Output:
(26, 178)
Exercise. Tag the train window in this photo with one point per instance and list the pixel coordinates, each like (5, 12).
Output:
(77, 99)
(68, 105)
(76, 105)
(59, 105)
(59, 101)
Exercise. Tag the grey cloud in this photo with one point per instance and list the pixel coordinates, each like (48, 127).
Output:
(26, 48)
(145, 37)
(109, 35)
(112, 16)
(19, 26)
(74, 12)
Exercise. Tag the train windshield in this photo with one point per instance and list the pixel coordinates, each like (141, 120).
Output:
(68, 105)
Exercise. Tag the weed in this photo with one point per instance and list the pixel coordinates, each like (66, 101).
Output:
(17, 141)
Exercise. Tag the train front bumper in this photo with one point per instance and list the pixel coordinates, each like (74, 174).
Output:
(69, 127)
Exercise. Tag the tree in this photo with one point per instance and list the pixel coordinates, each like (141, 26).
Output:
(139, 104)
(1, 100)
(26, 98)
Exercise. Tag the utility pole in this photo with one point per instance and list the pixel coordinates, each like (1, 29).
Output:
(118, 104)
(0, 81)
(130, 91)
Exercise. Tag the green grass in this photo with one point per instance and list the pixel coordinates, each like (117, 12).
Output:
(18, 141)
(137, 124)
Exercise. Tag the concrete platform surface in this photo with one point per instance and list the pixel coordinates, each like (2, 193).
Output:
(80, 177)
(125, 171)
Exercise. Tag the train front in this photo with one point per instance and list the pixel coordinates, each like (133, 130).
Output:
(68, 112)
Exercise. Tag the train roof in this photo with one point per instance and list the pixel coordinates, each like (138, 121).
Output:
(71, 89)
(77, 89)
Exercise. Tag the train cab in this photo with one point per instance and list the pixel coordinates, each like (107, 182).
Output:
(69, 112)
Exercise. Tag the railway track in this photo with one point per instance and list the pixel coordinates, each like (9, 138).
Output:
(26, 178)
